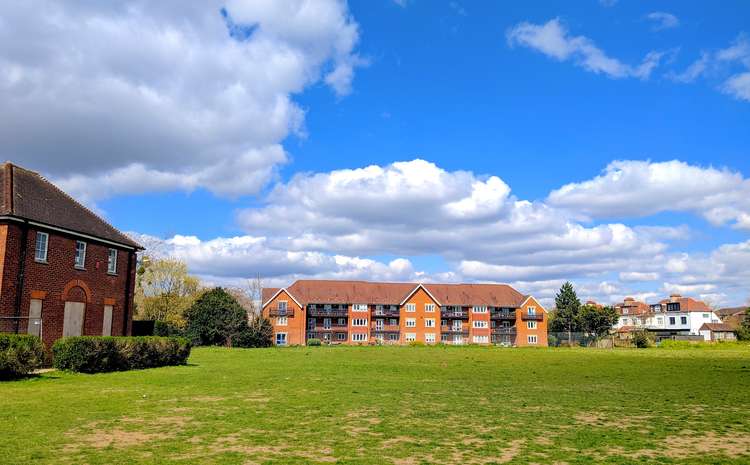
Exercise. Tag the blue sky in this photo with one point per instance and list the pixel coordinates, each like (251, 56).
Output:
(536, 95)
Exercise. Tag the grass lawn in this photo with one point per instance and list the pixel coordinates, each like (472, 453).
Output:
(391, 405)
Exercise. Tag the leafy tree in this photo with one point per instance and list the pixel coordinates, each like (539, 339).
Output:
(743, 330)
(642, 339)
(567, 315)
(598, 321)
(259, 333)
(164, 290)
(215, 319)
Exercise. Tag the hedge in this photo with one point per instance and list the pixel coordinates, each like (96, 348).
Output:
(97, 354)
(20, 354)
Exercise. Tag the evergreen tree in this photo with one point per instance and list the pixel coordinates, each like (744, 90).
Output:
(215, 318)
(568, 310)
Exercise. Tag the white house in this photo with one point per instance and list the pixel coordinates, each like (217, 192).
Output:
(676, 316)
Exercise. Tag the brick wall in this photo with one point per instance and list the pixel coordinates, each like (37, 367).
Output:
(58, 280)
(295, 327)
(522, 330)
(419, 299)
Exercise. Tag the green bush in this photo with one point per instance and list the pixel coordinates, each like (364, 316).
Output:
(705, 345)
(97, 354)
(214, 319)
(166, 329)
(314, 342)
(642, 339)
(20, 354)
(258, 333)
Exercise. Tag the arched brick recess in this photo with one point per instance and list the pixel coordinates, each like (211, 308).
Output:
(72, 293)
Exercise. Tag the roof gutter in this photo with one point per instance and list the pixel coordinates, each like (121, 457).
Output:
(71, 232)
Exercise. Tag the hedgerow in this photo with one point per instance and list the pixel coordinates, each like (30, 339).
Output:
(96, 354)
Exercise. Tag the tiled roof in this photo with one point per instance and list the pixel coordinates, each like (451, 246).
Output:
(634, 307)
(720, 327)
(732, 311)
(267, 293)
(26, 194)
(348, 292)
(688, 304)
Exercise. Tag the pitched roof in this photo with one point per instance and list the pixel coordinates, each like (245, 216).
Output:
(267, 293)
(347, 292)
(720, 327)
(731, 311)
(26, 194)
(635, 307)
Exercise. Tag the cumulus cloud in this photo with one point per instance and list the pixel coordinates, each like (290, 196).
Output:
(662, 20)
(641, 188)
(554, 40)
(137, 96)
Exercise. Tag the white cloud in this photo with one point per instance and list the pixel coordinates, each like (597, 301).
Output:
(738, 86)
(553, 39)
(136, 96)
(608, 3)
(642, 188)
(694, 71)
(663, 20)
(635, 276)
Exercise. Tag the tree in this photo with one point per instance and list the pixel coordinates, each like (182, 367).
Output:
(598, 321)
(259, 333)
(743, 330)
(215, 318)
(164, 290)
(568, 310)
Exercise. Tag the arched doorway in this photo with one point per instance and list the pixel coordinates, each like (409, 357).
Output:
(75, 296)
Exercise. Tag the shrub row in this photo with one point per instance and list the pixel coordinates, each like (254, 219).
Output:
(20, 354)
(96, 354)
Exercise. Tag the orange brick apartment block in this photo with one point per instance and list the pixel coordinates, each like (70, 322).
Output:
(359, 312)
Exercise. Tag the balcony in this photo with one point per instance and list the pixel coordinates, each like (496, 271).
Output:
(328, 312)
(387, 313)
(276, 312)
(327, 336)
(454, 314)
(503, 315)
(454, 331)
(384, 328)
(503, 330)
(532, 316)
(333, 327)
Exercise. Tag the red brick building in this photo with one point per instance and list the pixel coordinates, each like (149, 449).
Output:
(359, 312)
(63, 270)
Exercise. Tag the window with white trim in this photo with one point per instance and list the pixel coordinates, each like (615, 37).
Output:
(531, 339)
(429, 338)
(660, 320)
(359, 307)
(359, 321)
(411, 307)
(480, 324)
(112, 261)
(625, 321)
(411, 322)
(429, 322)
(683, 320)
(429, 308)
(280, 339)
(532, 310)
(80, 261)
(359, 337)
(479, 309)
(531, 324)
(625, 311)
(481, 339)
(341, 336)
(40, 249)
(282, 305)
(410, 337)
(281, 321)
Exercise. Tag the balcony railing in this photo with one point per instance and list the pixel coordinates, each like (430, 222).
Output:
(333, 327)
(455, 314)
(327, 336)
(502, 330)
(389, 313)
(276, 312)
(532, 316)
(331, 312)
(376, 327)
(452, 330)
(503, 315)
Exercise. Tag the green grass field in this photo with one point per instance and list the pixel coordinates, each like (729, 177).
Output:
(398, 405)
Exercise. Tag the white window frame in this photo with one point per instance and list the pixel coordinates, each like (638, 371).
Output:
(532, 339)
(410, 337)
(429, 308)
(429, 322)
(481, 339)
(359, 307)
(359, 322)
(411, 308)
(46, 247)
(282, 321)
(112, 261)
(410, 322)
(479, 309)
(359, 337)
(283, 307)
(531, 310)
(429, 338)
(531, 325)
(480, 324)
(285, 340)
(80, 264)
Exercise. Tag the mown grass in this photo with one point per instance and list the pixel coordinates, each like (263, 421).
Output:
(391, 405)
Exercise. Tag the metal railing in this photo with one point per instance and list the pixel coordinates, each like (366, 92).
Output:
(503, 315)
(454, 331)
(462, 314)
(331, 312)
(502, 330)
(276, 312)
(532, 316)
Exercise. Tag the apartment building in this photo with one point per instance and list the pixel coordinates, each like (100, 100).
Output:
(360, 312)
(675, 316)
